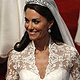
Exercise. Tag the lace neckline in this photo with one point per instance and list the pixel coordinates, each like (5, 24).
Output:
(47, 67)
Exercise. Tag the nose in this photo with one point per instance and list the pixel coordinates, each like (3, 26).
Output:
(30, 25)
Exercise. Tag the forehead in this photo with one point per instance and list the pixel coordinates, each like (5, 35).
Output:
(32, 13)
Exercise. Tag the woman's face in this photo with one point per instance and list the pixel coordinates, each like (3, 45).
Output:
(36, 25)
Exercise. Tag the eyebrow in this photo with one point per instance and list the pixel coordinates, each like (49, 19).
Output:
(26, 18)
(33, 19)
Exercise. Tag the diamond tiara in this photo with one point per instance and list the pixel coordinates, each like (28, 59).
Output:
(39, 2)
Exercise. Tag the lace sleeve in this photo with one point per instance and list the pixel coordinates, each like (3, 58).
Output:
(12, 74)
(76, 66)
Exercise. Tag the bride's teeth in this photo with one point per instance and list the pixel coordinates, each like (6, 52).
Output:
(32, 32)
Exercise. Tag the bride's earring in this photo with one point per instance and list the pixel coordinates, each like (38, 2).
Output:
(49, 30)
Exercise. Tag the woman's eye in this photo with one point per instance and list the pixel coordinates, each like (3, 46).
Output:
(26, 20)
(36, 22)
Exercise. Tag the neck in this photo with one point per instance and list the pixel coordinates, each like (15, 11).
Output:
(42, 44)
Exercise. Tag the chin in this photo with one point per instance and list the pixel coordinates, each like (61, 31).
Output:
(33, 38)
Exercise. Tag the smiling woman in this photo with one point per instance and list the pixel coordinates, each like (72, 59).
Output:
(44, 55)
(36, 25)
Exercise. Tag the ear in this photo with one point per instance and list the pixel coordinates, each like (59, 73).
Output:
(51, 23)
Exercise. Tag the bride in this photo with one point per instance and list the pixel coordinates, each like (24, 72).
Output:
(45, 51)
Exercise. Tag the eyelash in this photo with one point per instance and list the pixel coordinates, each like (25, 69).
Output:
(26, 20)
(35, 21)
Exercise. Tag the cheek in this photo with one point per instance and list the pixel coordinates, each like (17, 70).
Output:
(41, 27)
(26, 26)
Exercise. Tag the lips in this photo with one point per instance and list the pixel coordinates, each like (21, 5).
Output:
(31, 32)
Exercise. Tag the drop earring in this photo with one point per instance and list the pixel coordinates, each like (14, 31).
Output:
(49, 30)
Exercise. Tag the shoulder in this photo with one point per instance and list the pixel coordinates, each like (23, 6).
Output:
(65, 49)
(16, 54)
(13, 55)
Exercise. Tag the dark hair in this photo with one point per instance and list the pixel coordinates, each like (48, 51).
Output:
(44, 11)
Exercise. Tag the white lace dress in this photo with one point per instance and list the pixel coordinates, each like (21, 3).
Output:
(63, 61)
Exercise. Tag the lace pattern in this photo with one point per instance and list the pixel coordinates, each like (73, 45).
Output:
(62, 57)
